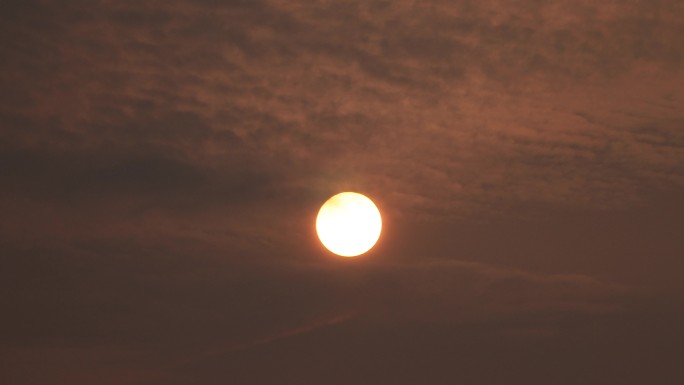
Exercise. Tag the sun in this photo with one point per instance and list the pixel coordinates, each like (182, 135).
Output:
(348, 224)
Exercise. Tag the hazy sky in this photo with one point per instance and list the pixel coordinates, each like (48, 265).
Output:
(162, 164)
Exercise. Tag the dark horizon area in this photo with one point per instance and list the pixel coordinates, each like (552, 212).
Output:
(162, 164)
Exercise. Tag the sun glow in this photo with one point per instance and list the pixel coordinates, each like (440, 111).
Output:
(348, 224)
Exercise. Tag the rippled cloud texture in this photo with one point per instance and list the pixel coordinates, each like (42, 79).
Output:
(161, 164)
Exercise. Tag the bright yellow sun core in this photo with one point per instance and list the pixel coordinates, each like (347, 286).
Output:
(348, 224)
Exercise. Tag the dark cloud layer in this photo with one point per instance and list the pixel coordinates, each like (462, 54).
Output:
(161, 164)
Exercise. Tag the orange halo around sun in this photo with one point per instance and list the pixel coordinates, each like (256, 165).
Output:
(348, 224)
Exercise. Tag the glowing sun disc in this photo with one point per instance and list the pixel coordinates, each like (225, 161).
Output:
(348, 224)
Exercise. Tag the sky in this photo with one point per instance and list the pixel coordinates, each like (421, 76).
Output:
(162, 164)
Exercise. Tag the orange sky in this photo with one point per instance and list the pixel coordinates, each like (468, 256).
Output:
(161, 166)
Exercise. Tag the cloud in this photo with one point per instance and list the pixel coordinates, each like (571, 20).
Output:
(450, 109)
(226, 123)
(447, 291)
